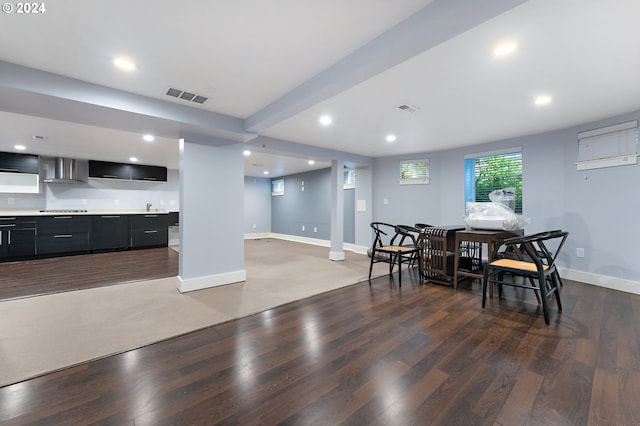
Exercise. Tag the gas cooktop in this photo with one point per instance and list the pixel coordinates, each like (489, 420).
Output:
(63, 211)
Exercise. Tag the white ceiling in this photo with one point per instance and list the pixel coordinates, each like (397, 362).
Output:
(300, 59)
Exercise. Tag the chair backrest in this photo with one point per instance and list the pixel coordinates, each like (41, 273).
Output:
(384, 233)
(423, 225)
(536, 246)
(406, 235)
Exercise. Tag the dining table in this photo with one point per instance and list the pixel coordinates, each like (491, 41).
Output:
(477, 238)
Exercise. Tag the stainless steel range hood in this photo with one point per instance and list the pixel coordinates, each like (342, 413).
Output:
(65, 171)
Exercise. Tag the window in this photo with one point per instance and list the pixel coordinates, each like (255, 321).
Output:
(349, 179)
(487, 172)
(609, 146)
(277, 187)
(414, 172)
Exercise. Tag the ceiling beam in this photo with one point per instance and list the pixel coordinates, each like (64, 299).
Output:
(436, 23)
(34, 92)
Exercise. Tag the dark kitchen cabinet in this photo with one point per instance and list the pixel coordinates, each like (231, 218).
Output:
(109, 232)
(173, 218)
(108, 170)
(148, 230)
(63, 234)
(149, 173)
(17, 237)
(19, 163)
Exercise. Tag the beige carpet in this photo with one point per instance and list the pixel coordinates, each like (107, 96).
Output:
(47, 333)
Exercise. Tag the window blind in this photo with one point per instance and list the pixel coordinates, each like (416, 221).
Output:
(609, 146)
(484, 174)
(414, 172)
(277, 187)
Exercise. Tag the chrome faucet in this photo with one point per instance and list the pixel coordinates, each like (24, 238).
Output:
(148, 207)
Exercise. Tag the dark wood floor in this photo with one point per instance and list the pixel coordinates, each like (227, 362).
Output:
(60, 274)
(368, 355)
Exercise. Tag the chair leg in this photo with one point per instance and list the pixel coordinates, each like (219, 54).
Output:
(392, 262)
(557, 294)
(485, 278)
(373, 255)
(399, 269)
(542, 284)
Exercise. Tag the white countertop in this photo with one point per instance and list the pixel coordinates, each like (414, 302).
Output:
(35, 212)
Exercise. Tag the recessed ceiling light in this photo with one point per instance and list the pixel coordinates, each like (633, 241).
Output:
(325, 120)
(266, 172)
(311, 162)
(505, 49)
(148, 138)
(543, 100)
(246, 152)
(20, 147)
(133, 159)
(391, 138)
(124, 64)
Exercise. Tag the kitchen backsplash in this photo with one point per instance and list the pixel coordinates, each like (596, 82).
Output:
(99, 194)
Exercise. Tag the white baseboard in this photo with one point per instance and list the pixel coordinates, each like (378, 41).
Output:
(356, 249)
(298, 239)
(336, 255)
(613, 283)
(306, 240)
(211, 281)
(257, 235)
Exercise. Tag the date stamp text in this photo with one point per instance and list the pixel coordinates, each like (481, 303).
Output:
(24, 8)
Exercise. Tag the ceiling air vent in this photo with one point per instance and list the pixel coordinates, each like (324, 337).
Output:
(408, 108)
(187, 96)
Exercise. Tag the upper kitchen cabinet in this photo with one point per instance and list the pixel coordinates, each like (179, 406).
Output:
(11, 162)
(19, 173)
(107, 170)
(150, 173)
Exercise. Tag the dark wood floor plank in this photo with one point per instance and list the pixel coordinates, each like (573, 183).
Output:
(68, 273)
(603, 407)
(367, 354)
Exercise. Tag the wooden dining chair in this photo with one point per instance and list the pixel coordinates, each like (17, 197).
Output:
(392, 244)
(532, 260)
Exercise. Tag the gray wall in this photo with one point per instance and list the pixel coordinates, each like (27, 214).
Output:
(598, 207)
(310, 208)
(257, 205)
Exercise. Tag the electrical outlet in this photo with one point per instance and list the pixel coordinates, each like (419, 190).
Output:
(254, 226)
(580, 252)
(84, 201)
(116, 202)
(172, 202)
(385, 201)
(303, 227)
(315, 229)
(11, 200)
(162, 202)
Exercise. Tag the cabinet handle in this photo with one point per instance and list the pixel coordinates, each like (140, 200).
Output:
(150, 232)
(63, 236)
(1, 238)
(150, 215)
(7, 218)
(109, 217)
(2, 169)
(8, 226)
(109, 176)
(149, 178)
(63, 217)
(9, 239)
